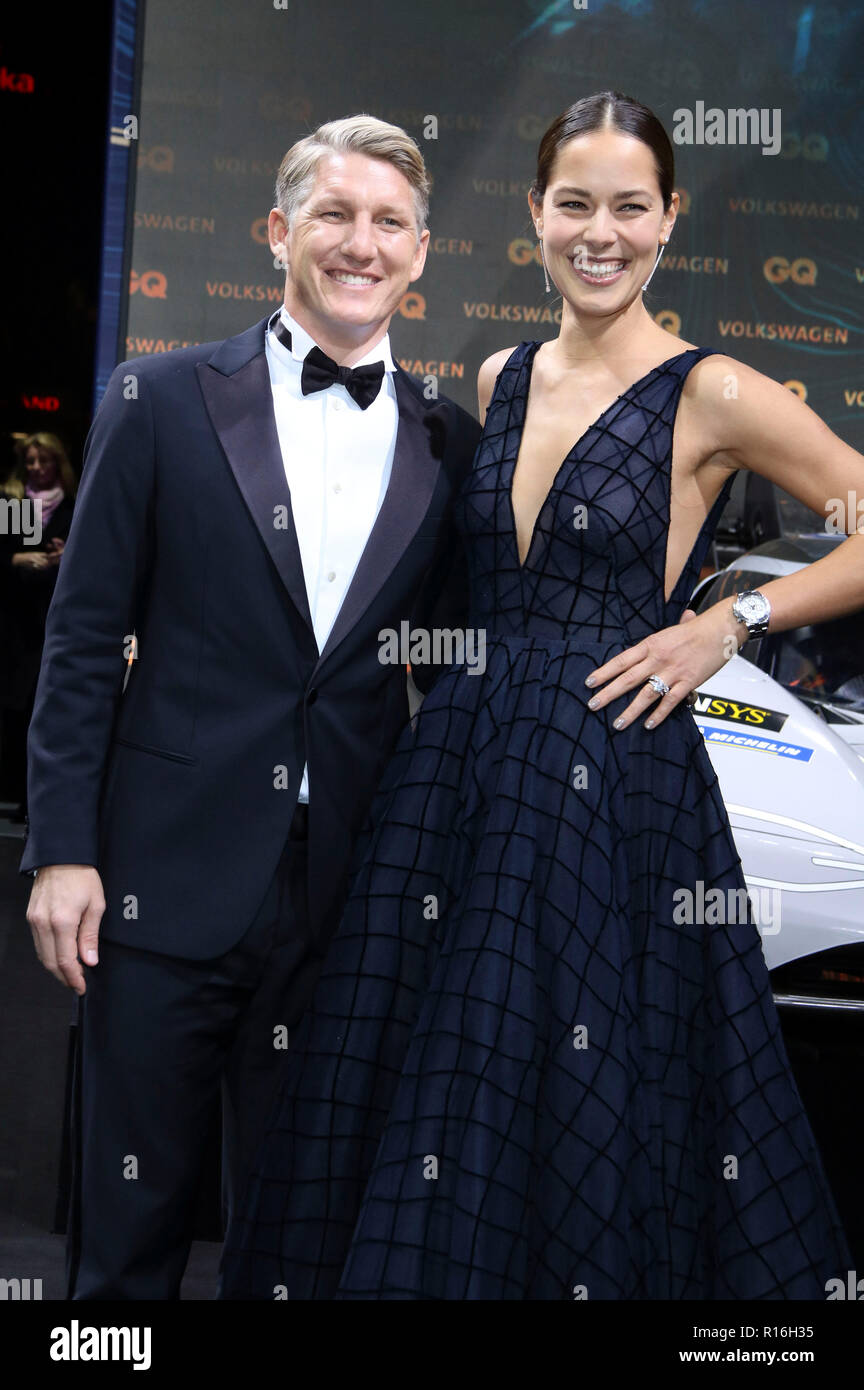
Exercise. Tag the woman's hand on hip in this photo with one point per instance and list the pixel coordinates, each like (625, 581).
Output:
(682, 657)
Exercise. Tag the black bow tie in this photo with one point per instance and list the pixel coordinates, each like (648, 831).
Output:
(320, 371)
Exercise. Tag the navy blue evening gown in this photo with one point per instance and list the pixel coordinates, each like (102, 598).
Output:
(519, 1078)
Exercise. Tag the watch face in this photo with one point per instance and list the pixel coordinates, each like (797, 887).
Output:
(753, 607)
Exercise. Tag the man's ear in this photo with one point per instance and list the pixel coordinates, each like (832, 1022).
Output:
(419, 260)
(277, 235)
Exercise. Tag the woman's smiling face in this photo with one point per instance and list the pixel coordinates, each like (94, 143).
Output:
(602, 218)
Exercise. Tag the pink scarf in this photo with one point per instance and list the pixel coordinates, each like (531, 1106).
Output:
(49, 497)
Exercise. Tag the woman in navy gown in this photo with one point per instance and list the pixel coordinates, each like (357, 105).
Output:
(521, 1077)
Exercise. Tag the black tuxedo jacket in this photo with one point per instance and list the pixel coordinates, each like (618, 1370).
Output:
(180, 789)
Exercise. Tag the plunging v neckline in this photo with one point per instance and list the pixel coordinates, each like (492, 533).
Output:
(528, 366)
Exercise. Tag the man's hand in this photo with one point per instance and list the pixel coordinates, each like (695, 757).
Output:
(64, 913)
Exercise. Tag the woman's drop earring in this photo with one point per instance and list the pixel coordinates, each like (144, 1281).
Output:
(543, 259)
(657, 262)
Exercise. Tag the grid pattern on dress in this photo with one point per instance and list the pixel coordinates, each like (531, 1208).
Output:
(520, 1077)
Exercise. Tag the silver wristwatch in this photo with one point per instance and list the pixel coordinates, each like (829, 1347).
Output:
(753, 610)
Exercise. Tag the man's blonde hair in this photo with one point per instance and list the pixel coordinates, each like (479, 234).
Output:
(352, 135)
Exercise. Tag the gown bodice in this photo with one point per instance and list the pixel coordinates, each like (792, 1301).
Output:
(596, 564)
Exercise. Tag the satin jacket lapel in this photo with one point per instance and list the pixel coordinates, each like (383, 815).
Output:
(236, 390)
(413, 478)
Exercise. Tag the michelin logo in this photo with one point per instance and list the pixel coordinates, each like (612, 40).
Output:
(761, 745)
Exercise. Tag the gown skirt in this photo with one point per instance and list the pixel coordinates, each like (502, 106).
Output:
(522, 1075)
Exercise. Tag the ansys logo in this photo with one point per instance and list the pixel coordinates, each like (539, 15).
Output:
(754, 716)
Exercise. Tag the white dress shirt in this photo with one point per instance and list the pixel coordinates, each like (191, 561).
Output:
(337, 460)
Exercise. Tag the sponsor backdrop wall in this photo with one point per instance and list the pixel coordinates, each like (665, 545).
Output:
(766, 261)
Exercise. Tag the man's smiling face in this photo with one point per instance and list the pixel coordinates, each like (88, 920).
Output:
(352, 249)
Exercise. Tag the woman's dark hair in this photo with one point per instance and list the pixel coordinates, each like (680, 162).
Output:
(607, 111)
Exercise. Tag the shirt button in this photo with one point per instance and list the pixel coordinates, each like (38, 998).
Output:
(331, 576)
(337, 487)
(337, 405)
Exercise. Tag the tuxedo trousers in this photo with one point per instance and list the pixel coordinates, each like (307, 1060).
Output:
(158, 1038)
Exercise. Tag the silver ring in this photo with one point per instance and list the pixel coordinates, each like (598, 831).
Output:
(658, 685)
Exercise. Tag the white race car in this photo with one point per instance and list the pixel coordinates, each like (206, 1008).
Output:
(788, 749)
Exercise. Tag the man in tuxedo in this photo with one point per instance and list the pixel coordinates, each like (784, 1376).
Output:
(212, 715)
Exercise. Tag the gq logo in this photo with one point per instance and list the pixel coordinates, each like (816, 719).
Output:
(521, 251)
(160, 158)
(152, 283)
(777, 269)
(531, 126)
(668, 319)
(812, 146)
(412, 306)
